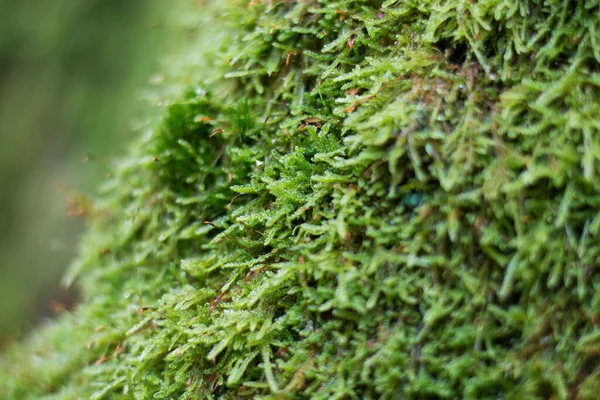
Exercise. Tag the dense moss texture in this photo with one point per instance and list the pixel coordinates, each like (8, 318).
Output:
(372, 199)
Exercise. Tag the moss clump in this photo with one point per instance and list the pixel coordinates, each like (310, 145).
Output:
(372, 199)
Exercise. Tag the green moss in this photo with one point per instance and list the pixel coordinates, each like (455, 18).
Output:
(370, 200)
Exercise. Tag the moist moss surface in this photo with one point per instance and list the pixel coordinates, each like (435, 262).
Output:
(361, 199)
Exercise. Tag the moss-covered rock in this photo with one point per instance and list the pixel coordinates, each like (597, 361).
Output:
(371, 199)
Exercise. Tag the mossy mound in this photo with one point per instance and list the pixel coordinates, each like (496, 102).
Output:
(373, 199)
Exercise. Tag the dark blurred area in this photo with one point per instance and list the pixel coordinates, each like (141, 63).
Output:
(70, 79)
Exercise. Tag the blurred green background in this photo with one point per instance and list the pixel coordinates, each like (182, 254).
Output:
(71, 78)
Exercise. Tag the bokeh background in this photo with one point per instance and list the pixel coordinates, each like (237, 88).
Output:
(72, 78)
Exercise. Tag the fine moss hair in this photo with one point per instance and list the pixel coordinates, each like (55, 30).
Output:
(355, 199)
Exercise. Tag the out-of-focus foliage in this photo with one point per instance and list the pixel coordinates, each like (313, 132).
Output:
(68, 74)
(367, 199)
